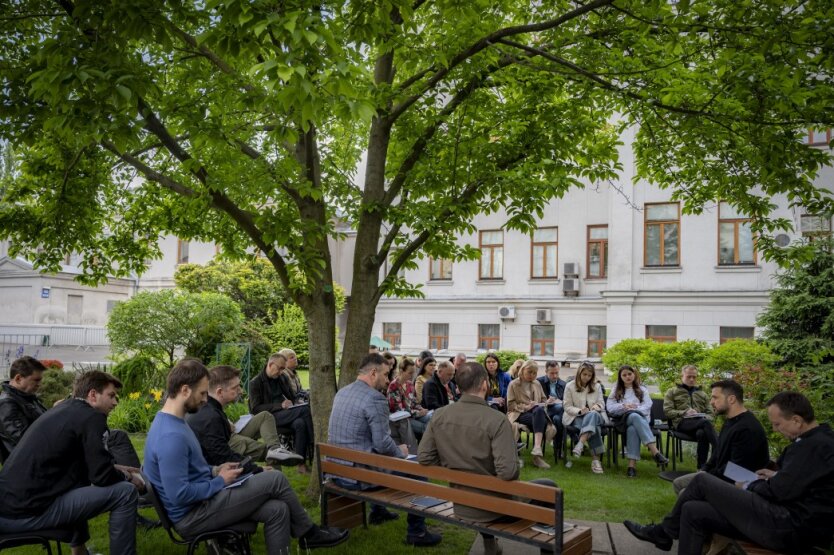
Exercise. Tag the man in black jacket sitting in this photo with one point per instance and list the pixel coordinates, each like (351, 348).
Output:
(271, 391)
(439, 388)
(61, 473)
(215, 434)
(788, 510)
(19, 404)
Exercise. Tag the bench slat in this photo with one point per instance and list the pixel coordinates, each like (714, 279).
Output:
(490, 483)
(502, 506)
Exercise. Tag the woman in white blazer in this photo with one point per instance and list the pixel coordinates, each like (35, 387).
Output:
(585, 409)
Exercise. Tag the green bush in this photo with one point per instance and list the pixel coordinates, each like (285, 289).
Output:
(625, 352)
(235, 410)
(506, 358)
(56, 385)
(139, 372)
(665, 360)
(290, 331)
(135, 411)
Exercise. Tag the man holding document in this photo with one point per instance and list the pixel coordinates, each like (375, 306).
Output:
(196, 495)
(787, 510)
(742, 440)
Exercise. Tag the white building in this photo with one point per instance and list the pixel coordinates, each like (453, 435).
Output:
(605, 264)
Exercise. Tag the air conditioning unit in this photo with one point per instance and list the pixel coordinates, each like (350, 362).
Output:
(571, 269)
(570, 287)
(506, 312)
(543, 315)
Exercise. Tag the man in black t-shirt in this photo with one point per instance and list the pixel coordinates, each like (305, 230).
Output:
(742, 439)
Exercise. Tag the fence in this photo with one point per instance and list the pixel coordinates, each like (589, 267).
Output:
(37, 340)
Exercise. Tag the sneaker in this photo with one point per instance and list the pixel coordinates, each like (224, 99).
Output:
(426, 539)
(577, 451)
(596, 467)
(323, 536)
(631, 472)
(381, 516)
(283, 456)
(536, 452)
(660, 459)
(538, 462)
(650, 533)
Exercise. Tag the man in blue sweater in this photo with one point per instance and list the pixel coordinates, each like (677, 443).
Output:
(195, 494)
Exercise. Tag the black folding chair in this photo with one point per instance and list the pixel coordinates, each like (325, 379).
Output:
(37, 537)
(236, 535)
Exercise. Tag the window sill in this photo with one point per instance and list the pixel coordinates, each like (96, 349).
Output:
(596, 280)
(661, 270)
(491, 281)
(441, 282)
(550, 281)
(740, 269)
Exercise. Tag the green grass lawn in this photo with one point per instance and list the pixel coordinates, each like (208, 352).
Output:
(610, 497)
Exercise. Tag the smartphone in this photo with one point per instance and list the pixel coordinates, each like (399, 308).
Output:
(245, 462)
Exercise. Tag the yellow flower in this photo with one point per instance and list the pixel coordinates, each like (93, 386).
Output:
(156, 394)
(147, 405)
(135, 395)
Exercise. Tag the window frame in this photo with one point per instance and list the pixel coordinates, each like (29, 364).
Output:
(443, 262)
(809, 139)
(444, 339)
(494, 341)
(662, 338)
(661, 223)
(736, 222)
(722, 339)
(824, 235)
(544, 244)
(492, 247)
(602, 344)
(395, 344)
(603, 256)
(180, 249)
(542, 342)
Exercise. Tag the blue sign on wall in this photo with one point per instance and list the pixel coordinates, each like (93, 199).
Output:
(45, 293)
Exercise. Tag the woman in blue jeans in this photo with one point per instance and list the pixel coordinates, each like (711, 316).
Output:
(585, 409)
(631, 406)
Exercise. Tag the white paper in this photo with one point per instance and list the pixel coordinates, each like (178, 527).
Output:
(738, 473)
(399, 415)
(239, 481)
(242, 422)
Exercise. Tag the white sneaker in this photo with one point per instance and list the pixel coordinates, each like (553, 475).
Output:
(283, 456)
(577, 451)
(537, 451)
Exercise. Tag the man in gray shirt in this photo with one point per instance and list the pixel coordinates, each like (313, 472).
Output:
(359, 420)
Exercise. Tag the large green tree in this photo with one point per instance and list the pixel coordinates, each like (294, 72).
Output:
(245, 123)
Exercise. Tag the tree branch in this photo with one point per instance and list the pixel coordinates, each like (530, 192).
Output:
(487, 41)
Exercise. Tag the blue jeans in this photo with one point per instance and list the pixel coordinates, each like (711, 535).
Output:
(591, 423)
(416, 524)
(637, 432)
(419, 425)
(75, 507)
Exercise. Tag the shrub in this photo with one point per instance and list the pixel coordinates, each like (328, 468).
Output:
(625, 352)
(506, 358)
(56, 385)
(290, 331)
(52, 363)
(665, 360)
(235, 410)
(135, 411)
(139, 372)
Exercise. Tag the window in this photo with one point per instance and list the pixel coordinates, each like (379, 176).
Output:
(182, 251)
(597, 336)
(111, 305)
(492, 254)
(488, 336)
(735, 238)
(662, 234)
(392, 332)
(438, 336)
(544, 253)
(815, 227)
(728, 333)
(817, 138)
(597, 262)
(662, 334)
(541, 341)
(440, 269)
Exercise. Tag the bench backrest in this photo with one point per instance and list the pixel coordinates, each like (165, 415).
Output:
(374, 472)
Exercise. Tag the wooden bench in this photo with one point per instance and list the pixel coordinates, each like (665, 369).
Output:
(346, 507)
(726, 546)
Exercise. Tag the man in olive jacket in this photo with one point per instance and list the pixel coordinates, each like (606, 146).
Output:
(689, 411)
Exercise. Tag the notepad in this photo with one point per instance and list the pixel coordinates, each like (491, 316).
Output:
(738, 473)
(239, 482)
(696, 415)
(242, 422)
(399, 415)
(551, 530)
(426, 502)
